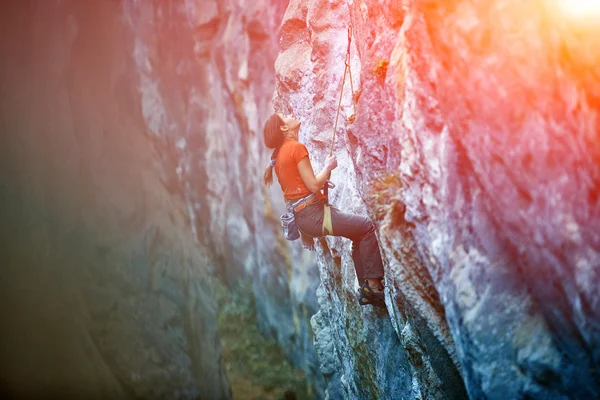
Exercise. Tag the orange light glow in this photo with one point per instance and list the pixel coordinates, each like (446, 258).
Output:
(580, 8)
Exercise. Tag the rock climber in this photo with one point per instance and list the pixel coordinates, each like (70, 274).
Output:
(302, 193)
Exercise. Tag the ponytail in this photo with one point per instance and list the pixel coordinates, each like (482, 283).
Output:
(268, 177)
(273, 137)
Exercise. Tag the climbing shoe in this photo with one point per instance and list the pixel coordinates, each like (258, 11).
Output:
(364, 300)
(368, 295)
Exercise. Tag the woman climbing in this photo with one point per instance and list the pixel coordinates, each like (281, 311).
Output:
(302, 194)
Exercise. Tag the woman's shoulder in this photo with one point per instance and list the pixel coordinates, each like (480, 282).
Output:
(292, 150)
(293, 144)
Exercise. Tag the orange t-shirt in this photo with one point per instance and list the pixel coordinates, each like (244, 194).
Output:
(290, 154)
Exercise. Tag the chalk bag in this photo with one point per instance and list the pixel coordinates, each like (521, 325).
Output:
(290, 230)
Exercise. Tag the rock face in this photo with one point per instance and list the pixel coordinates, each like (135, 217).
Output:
(131, 173)
(475, 150)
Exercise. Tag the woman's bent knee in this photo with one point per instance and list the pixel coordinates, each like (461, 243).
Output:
(368, 227)
(364, 229)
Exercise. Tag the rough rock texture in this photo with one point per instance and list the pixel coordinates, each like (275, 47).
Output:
(475, 149)
(104, 293)
(132, 160)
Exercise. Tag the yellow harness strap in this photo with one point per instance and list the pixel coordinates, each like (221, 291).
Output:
(327, 221)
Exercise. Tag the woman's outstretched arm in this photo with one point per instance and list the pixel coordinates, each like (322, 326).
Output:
(312, 182)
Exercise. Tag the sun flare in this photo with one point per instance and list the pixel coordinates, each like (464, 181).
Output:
(581, 8)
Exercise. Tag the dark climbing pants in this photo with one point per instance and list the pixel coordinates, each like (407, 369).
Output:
(359, 229)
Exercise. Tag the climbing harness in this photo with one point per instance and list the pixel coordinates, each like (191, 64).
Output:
(302, 203)
(288, 220)
(291, 231)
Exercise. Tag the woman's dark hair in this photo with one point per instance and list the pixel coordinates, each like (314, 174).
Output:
(273, 137)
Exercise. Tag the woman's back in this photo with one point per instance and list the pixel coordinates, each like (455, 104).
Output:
(290, 154)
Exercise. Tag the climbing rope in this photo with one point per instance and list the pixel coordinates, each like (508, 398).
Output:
(347, 70)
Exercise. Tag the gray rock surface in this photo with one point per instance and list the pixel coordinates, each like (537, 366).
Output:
(132, 170)
(474, 150)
